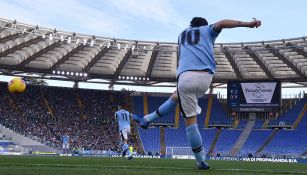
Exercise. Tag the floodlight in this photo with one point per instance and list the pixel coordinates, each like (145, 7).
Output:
(84, 41)
(50, 37)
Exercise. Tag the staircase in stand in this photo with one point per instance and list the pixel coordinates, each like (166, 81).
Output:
(46, 103)
(300, 117)
(266, 142)
(12, 104)
(209, 108)
(242, 138)
(265, 124)
(79, 101)
(177, 116)
(236, 123)
(213, 144)
(162, 141)
(145, 102)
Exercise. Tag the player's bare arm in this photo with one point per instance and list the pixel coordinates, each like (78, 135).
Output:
(227, 23)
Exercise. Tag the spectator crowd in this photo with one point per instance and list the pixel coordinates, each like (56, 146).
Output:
(47, 113)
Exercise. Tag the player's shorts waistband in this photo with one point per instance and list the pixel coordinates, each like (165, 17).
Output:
(204, 70)
(200, 71)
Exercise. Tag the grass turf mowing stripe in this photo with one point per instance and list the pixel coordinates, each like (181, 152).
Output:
(153, 167)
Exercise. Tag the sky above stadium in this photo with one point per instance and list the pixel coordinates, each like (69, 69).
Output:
(160, 20)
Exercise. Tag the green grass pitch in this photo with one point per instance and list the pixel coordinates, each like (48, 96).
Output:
(26, 165)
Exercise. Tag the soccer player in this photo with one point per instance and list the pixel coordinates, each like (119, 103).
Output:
(123, 118)
(65, 141)
(131, 150)
(194, 75)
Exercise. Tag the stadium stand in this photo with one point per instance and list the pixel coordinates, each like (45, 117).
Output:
(226, 140)
(90, 127)
(254, 141)
(217, 113)
(290, 142)
(150, 139)
(86, 115)
(154, 103)
(176, 137)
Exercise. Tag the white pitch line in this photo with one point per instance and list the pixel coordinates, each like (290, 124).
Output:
(95, 166)
(263, 171)
(156, 167)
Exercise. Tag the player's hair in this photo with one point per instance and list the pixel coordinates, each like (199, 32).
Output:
(119, 107)
(198, 21)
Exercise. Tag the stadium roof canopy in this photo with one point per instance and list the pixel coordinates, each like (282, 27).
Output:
(54, 54)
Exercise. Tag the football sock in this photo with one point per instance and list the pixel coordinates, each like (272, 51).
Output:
(125, 147)
(195, 142)
(164, 109)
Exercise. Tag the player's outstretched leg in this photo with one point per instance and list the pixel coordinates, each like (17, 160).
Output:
(125, 149)
(164, 109)
(140, 120)
(195, 140)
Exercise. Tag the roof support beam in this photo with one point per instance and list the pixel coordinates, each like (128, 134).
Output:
(296, 49)
(15, 36)
(95, 59)
(6, 25)
(120, 67)
(276, 53)
(67, 56)
(152, 60)
(20, 46)
(10, 37)
(39, 53)
(232, 62)
(259, 62)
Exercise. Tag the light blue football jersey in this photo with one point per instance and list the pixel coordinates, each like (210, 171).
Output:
(196, 49)
(123, 118)
(65, 139)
